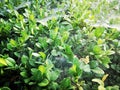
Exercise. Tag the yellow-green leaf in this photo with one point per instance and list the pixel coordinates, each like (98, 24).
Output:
(42, 69)
(2, 62)
(100, 82)
(42, 54)
(73, 69)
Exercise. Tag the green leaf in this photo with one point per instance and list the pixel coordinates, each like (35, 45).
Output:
(86, 68)
(54, 85)
(24, 59)
(105, 61)
(49, 64)
(9, 46)
(65, 83)
(5, 88)
(93, 64)
(27, 80)
(32, 83)
(69, 52)
(42, 41)
(98, 70)
(32, 62)
(80, 88)
(73, 69)
(54, 52)
(65, 36)
(43, 55)
(42, 69)
(13, 43)
(97, 50)
(53, 33)
(68, 49)
(10, 61)
(36, 74)
(99, 31)
(3, 62)
(100, 41)
(23, 74)
(52, 75)
(44, 83)
(110, 52)
(112, 87)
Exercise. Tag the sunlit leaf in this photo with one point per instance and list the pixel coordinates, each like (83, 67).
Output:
(42, 69)
(104, 77)
(2, 62)
(98, 70)
(10, 61)
(97, 49)
(99, 31)
(98, 81)
(44, 83)
(35, 54)
(42, 54)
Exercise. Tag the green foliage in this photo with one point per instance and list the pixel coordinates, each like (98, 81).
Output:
(59, 45)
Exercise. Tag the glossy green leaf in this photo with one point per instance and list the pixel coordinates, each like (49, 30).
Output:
(69, 52)
(10, 61)
(3, 62)
(36, 74)
(98, 70)
(99, 31)
(42, 69)
(24, 59)
(97, 50)
(73, 70)
(54, 85)
(42, 54)
(13, 43)
(5, 88)
(93, 64)
(106, 61)
(44, 83)
(23, 74)
(65, 83)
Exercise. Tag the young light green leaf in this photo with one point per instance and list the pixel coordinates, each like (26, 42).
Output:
(97, 50)
(42, 54)
(52, 75)
(42, 69)
(99, 31)
(23, 74)
(44, 83)
(98, 70)
(3, 62)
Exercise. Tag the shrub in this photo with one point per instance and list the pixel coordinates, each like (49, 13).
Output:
(56, 45)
